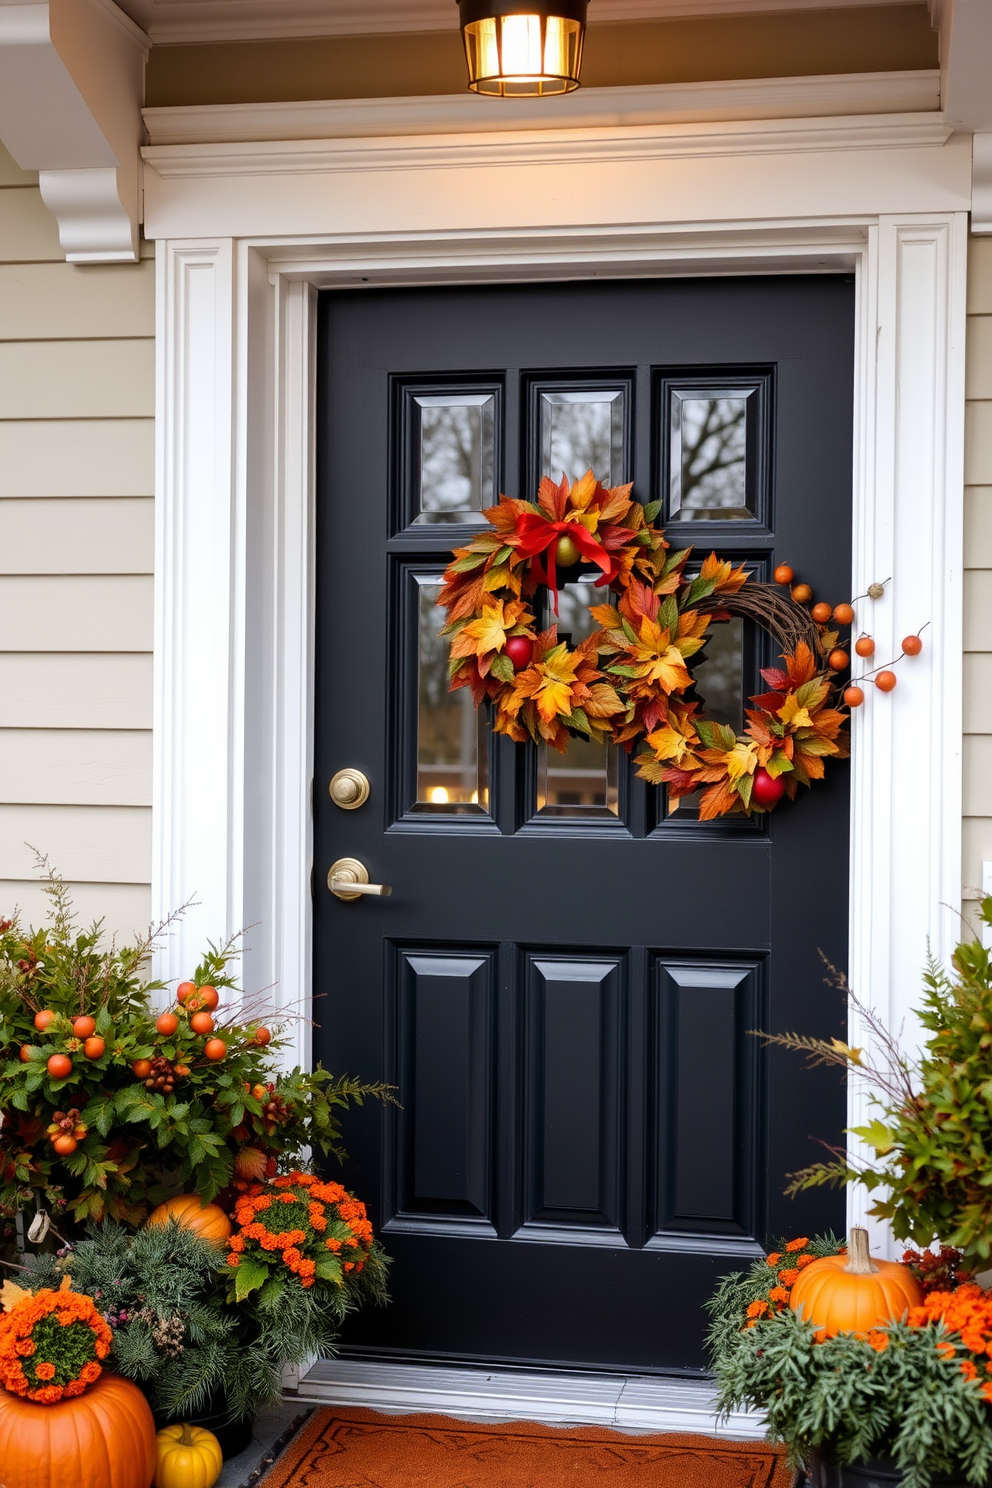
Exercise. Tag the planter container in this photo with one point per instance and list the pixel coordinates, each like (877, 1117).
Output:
(214, 1415)
(878, 1472)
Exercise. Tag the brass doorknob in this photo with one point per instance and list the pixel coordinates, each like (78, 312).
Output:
(349, 879)
(349, 789)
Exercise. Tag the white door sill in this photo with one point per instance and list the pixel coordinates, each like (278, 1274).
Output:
(635, 1403)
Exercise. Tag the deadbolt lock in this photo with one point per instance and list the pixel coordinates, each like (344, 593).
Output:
(349, 789)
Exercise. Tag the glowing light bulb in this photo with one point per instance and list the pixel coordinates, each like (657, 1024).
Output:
(439, 795)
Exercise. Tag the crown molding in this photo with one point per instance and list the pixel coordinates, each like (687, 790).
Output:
(178, 22)
(545, 147)
(667, 103)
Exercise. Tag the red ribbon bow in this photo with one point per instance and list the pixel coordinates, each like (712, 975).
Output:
(536, 534)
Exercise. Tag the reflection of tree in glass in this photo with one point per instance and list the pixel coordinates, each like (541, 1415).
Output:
(581, 439)
(713, 452)
(718, 673)
(456, 456)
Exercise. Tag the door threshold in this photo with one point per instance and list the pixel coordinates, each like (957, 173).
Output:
(634, 1403)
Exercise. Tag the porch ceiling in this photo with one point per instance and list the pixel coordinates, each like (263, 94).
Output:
(184, 21)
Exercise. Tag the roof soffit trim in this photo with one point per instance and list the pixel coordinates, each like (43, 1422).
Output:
(178, 22)
(666, 103)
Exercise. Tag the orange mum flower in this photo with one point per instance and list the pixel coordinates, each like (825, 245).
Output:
(788, 1278)
(773, 1259)
(878, 1340)
(798, 1244)
(755, 1310)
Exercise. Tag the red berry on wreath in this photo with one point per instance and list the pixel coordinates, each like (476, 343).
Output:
(837, 660)
(853, 697)
(821, 613)
(59, 1066)
(567, 552)
(844, 614)
(42, 1019)
(207, 997)
(802, 594)
(84, 1027)
(865, 646)
(94, 1048)
(783, 574)
(167, 1024)
(260, 1038)
(183, 991)
(912, 646)
(885, 681)
(215, 1048)
(520, 650)
(202, 1023)
(766, 790)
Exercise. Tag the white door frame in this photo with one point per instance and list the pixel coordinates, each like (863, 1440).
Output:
(234, 556)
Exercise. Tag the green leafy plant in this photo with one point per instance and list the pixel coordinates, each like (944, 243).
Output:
(180, 1332)
(932, 1132)
(910, 1390)
(110, 1103)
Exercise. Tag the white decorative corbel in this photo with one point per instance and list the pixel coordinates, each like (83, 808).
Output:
(71, 83)
(981, 184)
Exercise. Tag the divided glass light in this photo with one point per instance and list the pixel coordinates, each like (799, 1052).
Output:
(523, 48)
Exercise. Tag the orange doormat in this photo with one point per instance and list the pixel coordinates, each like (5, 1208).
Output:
(362, 1449)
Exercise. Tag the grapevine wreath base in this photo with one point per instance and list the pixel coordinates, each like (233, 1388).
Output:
(626, 682)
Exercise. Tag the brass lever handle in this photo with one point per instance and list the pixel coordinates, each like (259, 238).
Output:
(349, 879)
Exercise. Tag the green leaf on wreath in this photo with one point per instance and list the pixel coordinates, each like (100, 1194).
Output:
(651, 510)
(249, 1276)
(668, 615)
(470, 561)
(501, 667)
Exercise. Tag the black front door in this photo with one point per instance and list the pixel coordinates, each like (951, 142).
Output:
(563, 983)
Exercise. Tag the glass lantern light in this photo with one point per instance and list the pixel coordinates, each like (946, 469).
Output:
(523, 48)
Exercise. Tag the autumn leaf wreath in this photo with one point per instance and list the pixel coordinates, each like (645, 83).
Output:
(626, 682)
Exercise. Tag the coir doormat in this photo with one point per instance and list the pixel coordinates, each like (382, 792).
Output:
(362, 1449)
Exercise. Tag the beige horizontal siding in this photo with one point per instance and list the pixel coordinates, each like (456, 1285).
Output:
(124, 908)
(77, 536)
(100, 457)
(64, 302)
(105, 613)
(59, 690)
(978, 569)
(28, 231)
(76, 557)
(76, 767)
(77, 379)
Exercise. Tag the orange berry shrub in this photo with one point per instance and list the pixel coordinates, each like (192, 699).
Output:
(917, 1388)
(116, 1092)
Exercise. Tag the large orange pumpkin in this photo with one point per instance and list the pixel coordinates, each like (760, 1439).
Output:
(208, 1220)
(104, 1438)
(853, 1293)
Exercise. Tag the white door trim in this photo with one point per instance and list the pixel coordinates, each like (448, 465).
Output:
(234, 570)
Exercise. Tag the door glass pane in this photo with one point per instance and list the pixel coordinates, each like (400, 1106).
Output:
(719, 676)
(455, 454)
(582, 431)
(452, 736)
(584, 781)
(709, 475)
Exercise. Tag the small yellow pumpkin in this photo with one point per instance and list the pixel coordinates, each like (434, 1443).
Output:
(853, 1293)
(208, 1220)
(187, 1457)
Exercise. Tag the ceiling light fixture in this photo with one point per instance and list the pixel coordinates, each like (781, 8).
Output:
(523, 48)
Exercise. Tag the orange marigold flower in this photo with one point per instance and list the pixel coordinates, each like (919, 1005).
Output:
(773, 1259)
(756, 1309)
(804, 1260)
(25, 1347)
(48, 1395)
(307, 1268)
(269, 1242)
(288, 1198)
(233, 1259)
(946, 1350)
(307, 1281)
(333, 1245)
(90, 1372)
(987, 1391)
(968, 1369)
(236, 1242)
(787, 1278)
(44, 1370)
(798, 1244)
(878, 1340)
(778, 1294)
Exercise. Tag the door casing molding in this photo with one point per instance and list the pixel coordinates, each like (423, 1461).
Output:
(235, 519)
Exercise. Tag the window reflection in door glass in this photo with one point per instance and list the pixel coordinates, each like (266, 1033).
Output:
(583, 431)
(583, 782)
(719, 689)
(708, 477)
(452, 737)
(457, 455)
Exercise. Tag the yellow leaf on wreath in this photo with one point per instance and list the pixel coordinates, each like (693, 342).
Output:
(792, 715)
(583, 490)
(742, 759)
(11, 1294)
